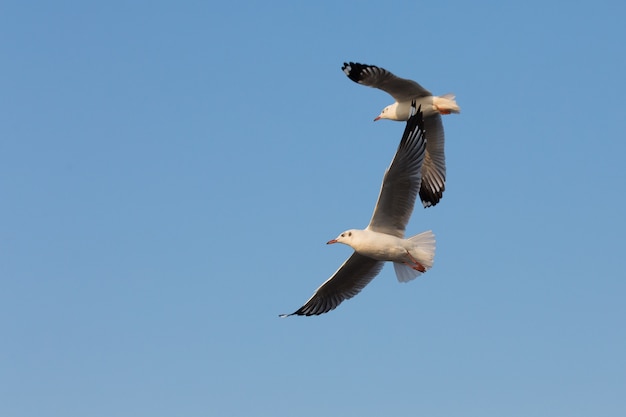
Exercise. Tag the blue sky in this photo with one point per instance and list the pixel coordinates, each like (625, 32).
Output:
(171, 171)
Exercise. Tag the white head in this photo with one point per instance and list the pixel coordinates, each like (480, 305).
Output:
(388, 112)
(347, 237)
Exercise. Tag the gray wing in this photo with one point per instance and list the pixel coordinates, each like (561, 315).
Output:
(351, 277)
(401, 181)
(434, 168)
(400, 89)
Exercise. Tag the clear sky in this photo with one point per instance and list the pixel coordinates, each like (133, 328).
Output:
(171, 171)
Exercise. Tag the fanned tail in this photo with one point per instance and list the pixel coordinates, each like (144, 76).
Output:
(423, 251)
(446, 104)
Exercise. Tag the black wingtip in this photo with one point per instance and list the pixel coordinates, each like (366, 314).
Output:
(430, 198)
(414, 128)
(353, 70)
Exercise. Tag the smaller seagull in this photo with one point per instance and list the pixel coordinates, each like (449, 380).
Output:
(405, 92)
(402, 90)
(383, 239)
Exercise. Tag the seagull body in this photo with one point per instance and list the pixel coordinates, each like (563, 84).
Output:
(405, 92)
(383, 239)
(379, 246)
(408, 255)
(435, 105)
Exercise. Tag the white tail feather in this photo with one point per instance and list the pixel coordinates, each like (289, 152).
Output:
(446, 104)
(423, 250)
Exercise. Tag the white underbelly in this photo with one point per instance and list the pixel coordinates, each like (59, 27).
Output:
(383, 247)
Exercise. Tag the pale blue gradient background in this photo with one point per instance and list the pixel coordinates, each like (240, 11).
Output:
(171, 171)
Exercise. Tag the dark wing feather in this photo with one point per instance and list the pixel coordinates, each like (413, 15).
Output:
(400, 89)
(355, 273)
(434, 168)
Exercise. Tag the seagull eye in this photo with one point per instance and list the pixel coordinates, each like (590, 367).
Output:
(343, 235)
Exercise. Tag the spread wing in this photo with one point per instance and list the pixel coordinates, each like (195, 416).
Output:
(355, 273)
(434, 168)
(401, 181)
(400, 89)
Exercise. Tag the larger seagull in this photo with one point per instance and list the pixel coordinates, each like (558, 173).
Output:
(404, 92)
(383, 239)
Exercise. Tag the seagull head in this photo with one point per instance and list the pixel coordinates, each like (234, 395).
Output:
(388, 112)
(345, 238)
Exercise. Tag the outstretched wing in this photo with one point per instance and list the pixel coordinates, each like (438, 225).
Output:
(401, 181)
(355, 273)
(400, 89)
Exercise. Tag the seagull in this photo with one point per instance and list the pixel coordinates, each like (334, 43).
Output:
(404, 91)
(383, 239)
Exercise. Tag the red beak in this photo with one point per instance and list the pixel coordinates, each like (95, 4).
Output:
(378, 118)
(330, 242)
